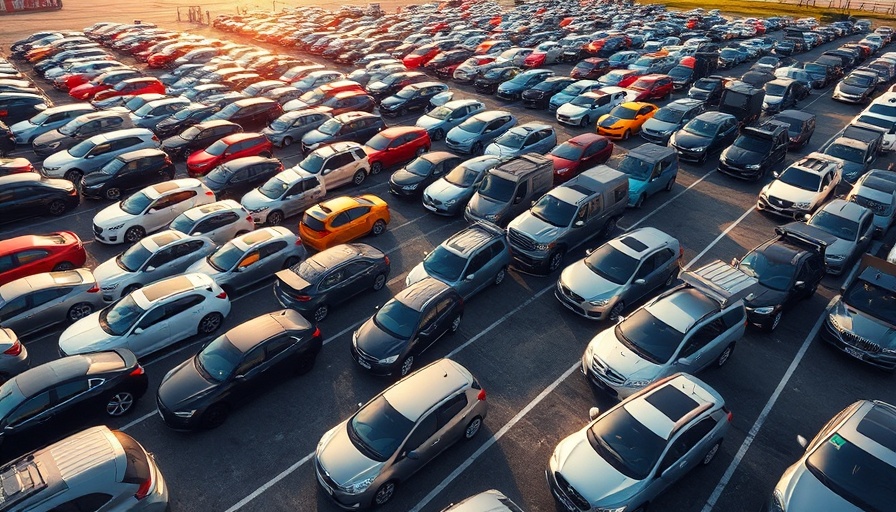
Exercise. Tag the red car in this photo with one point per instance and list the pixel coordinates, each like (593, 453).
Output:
(579, 153)
(423, 54)
(133, 87)
(620, 77)
(165, 57)
(650, 87)
(68, 81)
(396, 145)
(15, 166)
(591, 68)
(88, 90)
(32, 254)
(229, 148)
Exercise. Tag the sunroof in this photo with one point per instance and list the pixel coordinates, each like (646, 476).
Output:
(670, 401)
(164, 288)
(879, 425)
(633, 243)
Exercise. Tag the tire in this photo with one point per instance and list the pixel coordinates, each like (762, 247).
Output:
(476, 149)
(585, 122)
(379, 282)
(130, 289)
(306, 363)
(499, 277)
(375, 168)
(292, 260)
(120, 403)
(134, 234)
(321, 312)
(287, 141)
(626, 134)
(640, 202)
(702, 159)
(725, 356)
(775, 321)
(403, 111)
(275, 218)
(406, 364)
(56, 207)
(473, 428)
(555, 260)
(215, 416)
(384, 493)
(438, 135)
(210, 323)
(379, 227)
(608, 228)
(359, 177)
(74, 176)
(670, 185)
(711, 454)
(113, 193)
(617, 310)
(79, 311)
(420, 151)
(65, 265)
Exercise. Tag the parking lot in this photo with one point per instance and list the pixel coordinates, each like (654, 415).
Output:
(516, 338)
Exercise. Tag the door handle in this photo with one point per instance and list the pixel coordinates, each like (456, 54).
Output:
(436, 441)
(683, 464)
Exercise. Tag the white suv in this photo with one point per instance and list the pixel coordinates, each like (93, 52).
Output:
(802, 187)
(337, 164)
(149, 210)
(151, 318)
(219, 221)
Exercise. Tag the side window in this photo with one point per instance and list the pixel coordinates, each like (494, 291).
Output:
(44, 296)
(187, 248)
(426, 427)
(181, 197)
(646, 268)
(826, 180)
(278, 345)
(14, 307)
(595, 148)
(357, 267)
(664, 256)
(30, 256)
(866, 223)
(69, 390)
(153, 316)
(686, 442)
(180, 305)
(332, 279)
(240, 175)
(814, 265)
(30, 408)
(495, 250)
(251, 361)
(479, 260)
(621, 193)
(358, 212)
(521, 190)
(340, 161)
(358, 154)
(295, 189)
(702, 337)
(733, 317)
(87, 503)
(447, 411)
(250, 258)
(271, 248)
(340, 220)
(595, 207)
(162, 257)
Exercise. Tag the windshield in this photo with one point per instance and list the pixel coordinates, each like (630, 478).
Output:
(144, 110)
(888, 125)
(440, 113)
(330, 127)
(834, 224)
(668, 115)
(407, 93)
(729, 53)
(473, 125)
(801, 179)
(182, 223)
(462, 176)
(635, 167)
(753, 144)
(612, 78)
(847, 153)
(706, 85)
(444, 264)
(588, 66)
(858, 80)
(626, 444)
(419, 167)
(701, 128)
(39, 118)
(882, 109)
(774, 89)
(112, 167)
(583, 101)
(855, 475)
(776, 275)
(649, 337)
(118, 318)
(643, 62)
(494, 73)
(397, 319)
(611, 264)
(134, 258)
(312, 163)
(378, 430)
(190, 133)
(872, 300)
(71, 127)
(273, 188)
(512, 139)
(815, 69)
(82, 148)
(135, 204)
(621, 112)
(379, 142)
(681, 72)
(545, 86)
(184, 113)
(218, 359)
(568, 151)
(217, 148)
(226, 257)
(496, 188)
(576, 88)
(554, 211)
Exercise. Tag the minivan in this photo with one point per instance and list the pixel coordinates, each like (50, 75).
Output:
(509, 189)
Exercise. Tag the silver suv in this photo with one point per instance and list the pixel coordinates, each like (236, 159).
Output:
(688, 328)
(627, 456)
(95, 469)
(337, 164)
(360, 461)
(849, 465)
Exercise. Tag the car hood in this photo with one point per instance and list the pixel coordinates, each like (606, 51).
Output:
(203, 267)
(403, 177)
(174, 142)
(498, 150)
(866, 326)
(58, 159)
(561, 98)
(314, 137)
(376, 87)
(443, 190)
(487, 81)
(741, 156)
(690, 140)
(86, 335)
(184, 384)
(852, 170)
(109, 273)
(789, 192)
(587, 472)
(484, 206)
(618, 357)
(570, 110)
(512, 87)
(804, 493)
(392, 102)
(764, 296)
(418, 273)
(22, 126)
(111, 215)
(535, 228)
(95, 178)
(201, 159)
(659, 126)
(45, 139)
(377, 343)
(773, 100)
(427, 122)
(342, 461)
(840, 246)
(460, 135)
(851, 89)
(254, 200)
(586, 283)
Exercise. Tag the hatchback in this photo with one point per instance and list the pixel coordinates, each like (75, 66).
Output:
(442, 119)
(532, 137)
(47, 398)
(579, 153)
(28, 194)
(283, 195)
(471, 136)
(651, 87)
(352, 126)
(844, 465)
(132, 87)
(343, 219)
(392, 83)
(668, 119)
(128, 172)
(197, 137)
(707, 133)
(90, 88)
(149, 210)
(395, 145)
(78, 129)
(231, 147)
(625, 119)
(489, 82)
(150, 114)
(625, 457)
(48, 120)
(35, 302)
(802, 187)
(410, 180)
(450, 194)
(201, 391)
(801, 126)
(233, 178)
(32, 254)
(292, 126)
(155, 257)
(220, 221)
(337, 164)
(851, 225)
(92, 154)
(151, 318)
(250, 113)
(407, 426)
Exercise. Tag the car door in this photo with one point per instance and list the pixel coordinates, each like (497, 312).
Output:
(46, 307)
(728, 134)
(866, 232)
(30, 414)
(150, 333)
(683, 454)
(827, 187)
(271, 257)
(220, 227)
(71, 399)
(237, 181)
(301, 195)
(248, 374)
(593, 154)
(15, 313)
(183, 316)
(163, 263)
(697, 346)
(420, 447)
(335, 170)
(357, 276)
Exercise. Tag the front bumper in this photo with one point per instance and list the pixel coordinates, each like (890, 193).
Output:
(740, 172)
(690, 155)
(438, 207)
(177, 422)
(372, 364)
(578, 304)
(859, 348)
(780, 207)
(337, 497)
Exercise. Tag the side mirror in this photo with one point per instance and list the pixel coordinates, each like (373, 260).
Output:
(593, 413)
(588, 252)
(413, 455)
(684, 361)
(619, 319)
(735, 262)
(138, 330)
(776, 174)
(799, 284)
(360, 405)
(806, 217)
(150, 268)
(470, 277)
(579, 223)
(640, 281)
(517, 199)
(802, 441)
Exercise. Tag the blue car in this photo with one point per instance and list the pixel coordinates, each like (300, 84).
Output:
(534, 137)
(650, 169)
(471, 136)
(571, 91)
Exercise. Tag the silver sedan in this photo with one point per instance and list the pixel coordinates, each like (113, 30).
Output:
(42, 300)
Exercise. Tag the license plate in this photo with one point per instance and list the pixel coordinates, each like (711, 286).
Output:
(364, 363)
(853, 352)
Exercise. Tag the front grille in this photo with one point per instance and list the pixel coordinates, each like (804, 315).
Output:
(567, 489)
(860, 343)
(97, 230)
(780, 203)
(325, 476)
(520, 240)
(608, 373)
(573, 296)
(366, 357)
(429, 200)
(563, 119)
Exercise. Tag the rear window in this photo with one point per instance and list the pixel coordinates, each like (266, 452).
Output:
(101, 362)
(313, 223)
(137, 470)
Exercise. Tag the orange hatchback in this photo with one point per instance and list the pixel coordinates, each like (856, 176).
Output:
(343, 219)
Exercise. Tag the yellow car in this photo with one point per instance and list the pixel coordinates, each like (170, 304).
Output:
(343, 219)
(625, 119)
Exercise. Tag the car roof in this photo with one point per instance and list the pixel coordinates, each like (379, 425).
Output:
(171, 286)
(652, 152)
(30, 241)
(683, 104)
(714, 117)
(397, 131)
(418, 294)
(130, 156)
(233, 138)
(161, 239)
(250, 334)
(259, 236)
(491, 115)
(666, 407)
(44, 280)
(416, 394)
(471, 238)
(336, 255)
(641, 241)
(682, 308)
(873, 429)
(39, 378)
(198, 212)
(120, 134)
(845, 209)
(156, 191)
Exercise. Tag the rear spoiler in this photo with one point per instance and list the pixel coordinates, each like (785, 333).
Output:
(807, 235)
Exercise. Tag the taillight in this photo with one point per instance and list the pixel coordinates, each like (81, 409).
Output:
(155, 138)
(316, 333)
(481, 395)
(95, 288)
(210, 193)
(729, 413)
(302, 298)
(143, 490)
(222, 295)
(73, 191)
(387, 259)
(137, 371)
(249, 218)
(15, 349)
(680, 252)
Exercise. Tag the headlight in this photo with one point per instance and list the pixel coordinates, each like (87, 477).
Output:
(410, 187)
(259, 210)
(802, 205)
(767, 310)
(699, 148)
(50, 169)
(836, 257)
(53, 145)
(599, 302)
(389, 360)
(115, 228)
(636, 383)
(752, 167)
(358, 487)
(777, 502)
(109, 286)
(185, 414)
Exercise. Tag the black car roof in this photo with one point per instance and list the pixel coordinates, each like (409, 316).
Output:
(796, 114)
(248, 335)
(41, 377)
(418, 294)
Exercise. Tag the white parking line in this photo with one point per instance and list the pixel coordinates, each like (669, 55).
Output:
(270, 483)
(139, 420)
(714, 497)
(718, 238)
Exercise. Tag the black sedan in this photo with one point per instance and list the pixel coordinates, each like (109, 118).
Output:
(705, 134)
(412, 179)
(238, 176)
(50, 400)
(19, 106)
(788, 267)
(412, 97)
(201, 391)
(708, 90)
(489, 82)
(801, 126)
(29, 194)
(199, 136)
(540, 95)
(330, 277)
(184, 118)
(127, 173)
